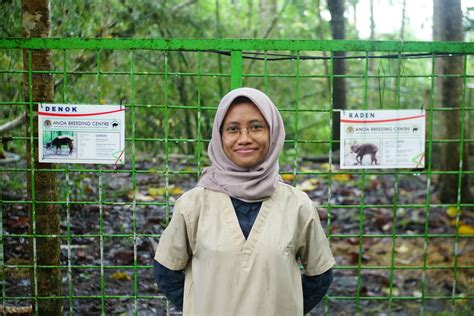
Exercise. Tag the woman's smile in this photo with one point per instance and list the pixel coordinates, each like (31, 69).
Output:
(245, 150)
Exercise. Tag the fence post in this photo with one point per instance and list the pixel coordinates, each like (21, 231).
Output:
(236, 71)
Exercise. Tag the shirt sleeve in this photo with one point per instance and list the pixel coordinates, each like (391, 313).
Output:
(313, 249)
(171, 283)
(173, 250)
(314, 289)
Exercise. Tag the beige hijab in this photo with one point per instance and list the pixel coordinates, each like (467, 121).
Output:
(249, 184)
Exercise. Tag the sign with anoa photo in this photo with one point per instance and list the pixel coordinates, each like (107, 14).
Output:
(382, 139)
(81, 133)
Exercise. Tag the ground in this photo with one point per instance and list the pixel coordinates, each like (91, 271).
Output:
(417, 239)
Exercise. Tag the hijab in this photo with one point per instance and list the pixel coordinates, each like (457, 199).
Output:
(248, 184)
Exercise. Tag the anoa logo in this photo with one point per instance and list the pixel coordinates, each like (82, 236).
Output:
(59, 108)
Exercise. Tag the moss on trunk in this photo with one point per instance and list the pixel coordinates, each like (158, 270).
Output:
(46, 282)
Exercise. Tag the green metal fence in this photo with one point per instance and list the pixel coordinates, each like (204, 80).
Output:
(398, 247)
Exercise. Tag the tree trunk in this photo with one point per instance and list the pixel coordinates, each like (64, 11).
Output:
(354, 16)
(372, 21)
(268, 13)
(41, 187)
(402, 29)
(372, 33)
(447, 17)
(336, 8)
(320, 34)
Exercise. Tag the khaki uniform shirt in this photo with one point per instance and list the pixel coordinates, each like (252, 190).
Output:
(225, 274)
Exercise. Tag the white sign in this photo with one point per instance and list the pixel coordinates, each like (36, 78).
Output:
(382, 139)
(75, 133)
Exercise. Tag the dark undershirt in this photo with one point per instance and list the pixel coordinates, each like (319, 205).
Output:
(171, 282)
(246, 214)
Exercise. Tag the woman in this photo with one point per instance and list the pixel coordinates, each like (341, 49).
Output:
(239, 234)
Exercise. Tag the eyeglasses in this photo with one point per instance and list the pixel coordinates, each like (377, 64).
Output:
(255, 130)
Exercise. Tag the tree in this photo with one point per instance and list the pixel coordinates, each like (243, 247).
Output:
(447, 26)
(402, 28)
(336, 8)
(268, 15)
(320, 35)
(41, 185)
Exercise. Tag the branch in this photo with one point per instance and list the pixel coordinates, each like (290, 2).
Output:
(182, 5)
(275, 19)
(13, 123)
(269, 30)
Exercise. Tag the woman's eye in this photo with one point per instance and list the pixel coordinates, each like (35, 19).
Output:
(256, 127)
(232, 129)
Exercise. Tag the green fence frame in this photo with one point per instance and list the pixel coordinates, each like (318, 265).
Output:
(237, 50)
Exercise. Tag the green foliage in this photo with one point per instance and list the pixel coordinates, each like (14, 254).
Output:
(10, 24)
(166, 105)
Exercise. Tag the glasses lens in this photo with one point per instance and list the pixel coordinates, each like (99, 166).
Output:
(231, 136)
(233, 133)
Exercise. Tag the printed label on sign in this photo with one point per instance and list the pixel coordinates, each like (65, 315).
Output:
(78, 133)
(382, 139)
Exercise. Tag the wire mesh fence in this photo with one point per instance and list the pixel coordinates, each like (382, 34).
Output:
(399, 247)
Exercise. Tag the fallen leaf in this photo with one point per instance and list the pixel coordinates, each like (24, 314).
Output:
(402, 249)
(88, 190)
(155, 192)
(81, 254)
(161, 192)
(342, 177)
(16, 310)
(354, 257)
(353, 241)
(306, 186)
(124, 256)
(386, 227)
(325, 167)
(176, 190)
(138, 196)
(288, 177)
(395, 291)
(462, 301)
(373, 185)
(452, 211)
(121, 276)
(466, 229)
(17, 273)
(20, 222)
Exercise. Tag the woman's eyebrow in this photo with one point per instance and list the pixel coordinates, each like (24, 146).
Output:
(231, 123)
(238, 123)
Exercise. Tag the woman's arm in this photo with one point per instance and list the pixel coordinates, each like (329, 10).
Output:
(314, 289)
(171, 283)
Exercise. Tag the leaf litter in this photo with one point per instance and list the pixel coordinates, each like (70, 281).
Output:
(386, 232)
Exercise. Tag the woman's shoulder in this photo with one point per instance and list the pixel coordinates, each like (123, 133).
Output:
(190, 197)
(198, 193)
(197, 197)
(285, 190)
(296, 199)
(192, 193)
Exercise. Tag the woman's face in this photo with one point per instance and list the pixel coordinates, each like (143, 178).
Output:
(245, 135)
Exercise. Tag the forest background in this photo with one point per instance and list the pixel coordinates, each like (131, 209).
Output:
(398, 20)
(264, 19)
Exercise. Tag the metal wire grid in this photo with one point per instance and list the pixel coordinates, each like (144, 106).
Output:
(237, 50)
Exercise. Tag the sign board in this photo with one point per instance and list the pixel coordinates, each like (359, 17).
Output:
(381, 139)
(75, 133)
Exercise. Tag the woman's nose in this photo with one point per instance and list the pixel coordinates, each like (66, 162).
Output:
(244, 136)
